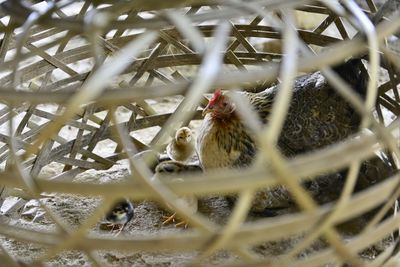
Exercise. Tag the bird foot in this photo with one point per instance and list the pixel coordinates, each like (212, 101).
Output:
(173, 219)
(169, 219)
(183, 224)
(116, 232)
(115, 229)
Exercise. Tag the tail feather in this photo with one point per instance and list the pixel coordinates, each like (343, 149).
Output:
(354, 73)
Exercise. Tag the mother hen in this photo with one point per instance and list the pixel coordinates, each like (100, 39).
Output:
(317, 117)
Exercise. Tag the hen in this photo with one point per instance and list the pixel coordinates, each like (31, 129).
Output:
(317, 117)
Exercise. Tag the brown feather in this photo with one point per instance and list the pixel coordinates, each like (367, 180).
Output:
(317, 117)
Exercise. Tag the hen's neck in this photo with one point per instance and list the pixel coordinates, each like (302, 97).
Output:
(224, 117)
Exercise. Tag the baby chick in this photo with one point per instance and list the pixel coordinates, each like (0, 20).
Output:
(165, 170)
(119, 216)
(182, 147)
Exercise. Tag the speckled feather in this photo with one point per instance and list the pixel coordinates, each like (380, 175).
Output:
(317, 117)
(224, 144)
(175, 167)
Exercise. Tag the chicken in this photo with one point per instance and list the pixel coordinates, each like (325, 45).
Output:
(182, 147)
(119, 215)
(317, 117)
(167, 170)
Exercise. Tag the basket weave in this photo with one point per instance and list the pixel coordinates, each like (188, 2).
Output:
(138, 51)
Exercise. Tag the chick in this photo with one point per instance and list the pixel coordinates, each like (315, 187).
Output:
(166, 170)
(182, 147)
(119, 215)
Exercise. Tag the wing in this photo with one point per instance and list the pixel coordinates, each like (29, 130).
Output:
(317, 117)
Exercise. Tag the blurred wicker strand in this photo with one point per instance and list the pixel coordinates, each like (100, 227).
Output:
(303, 165)
(237, 218)
(278, 113)
(305, 201)
(327, 222)
(56, 112)
(295, 223)
(184, 25)
(207, 74)
(181, 244)
(288, 72)
(161, 192)
(93, 87)
(369, 31)
(334, 55)
(32, 189)
(6, 258)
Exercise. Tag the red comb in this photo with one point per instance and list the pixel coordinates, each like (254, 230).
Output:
(216, 95)
(217, 92)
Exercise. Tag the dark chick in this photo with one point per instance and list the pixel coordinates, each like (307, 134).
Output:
(119, 216)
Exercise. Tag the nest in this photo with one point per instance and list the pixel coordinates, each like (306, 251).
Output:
(76, 75)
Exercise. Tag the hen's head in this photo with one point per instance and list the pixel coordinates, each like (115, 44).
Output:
(219, 105)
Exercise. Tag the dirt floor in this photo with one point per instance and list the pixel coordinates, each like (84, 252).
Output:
(74, 210)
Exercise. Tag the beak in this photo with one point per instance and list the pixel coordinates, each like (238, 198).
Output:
(207, 109)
